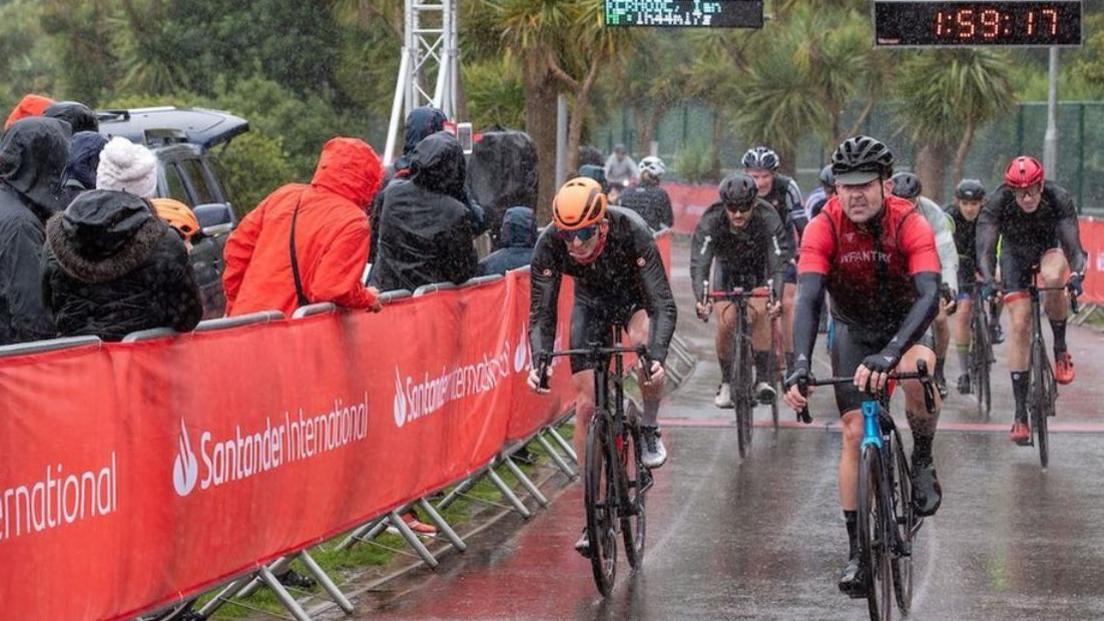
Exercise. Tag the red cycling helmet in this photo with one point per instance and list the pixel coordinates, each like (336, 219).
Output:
(1024, 172)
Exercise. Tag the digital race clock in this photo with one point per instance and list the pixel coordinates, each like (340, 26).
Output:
(1057, 22)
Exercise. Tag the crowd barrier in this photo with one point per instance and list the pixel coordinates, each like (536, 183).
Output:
(141, 473)
(689, 202)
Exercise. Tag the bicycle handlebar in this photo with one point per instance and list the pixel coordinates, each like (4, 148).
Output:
(739, 293)
(596, 352)
(921, 374)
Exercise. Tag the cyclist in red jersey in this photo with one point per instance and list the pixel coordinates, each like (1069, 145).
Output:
(875, 255)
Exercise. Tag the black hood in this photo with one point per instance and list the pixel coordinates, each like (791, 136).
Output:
(100, 222)
(80, 117)
(84, 158)
(437, 164)
(519, 228)
(33, 156)
(421, 123)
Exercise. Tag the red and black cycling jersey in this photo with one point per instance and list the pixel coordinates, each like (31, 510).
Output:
(628, 274)
(869, 271)
(1028, 235)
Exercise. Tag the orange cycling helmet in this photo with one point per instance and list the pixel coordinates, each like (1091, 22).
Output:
(579, 204)
(177, 215)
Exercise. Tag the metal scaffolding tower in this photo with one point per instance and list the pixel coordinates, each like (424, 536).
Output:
(430, 50)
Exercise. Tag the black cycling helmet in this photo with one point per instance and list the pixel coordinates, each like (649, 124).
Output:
(860, 160)
(970, 190)
(827, 179)
(762, 158)
(738, 189)
(907, 185)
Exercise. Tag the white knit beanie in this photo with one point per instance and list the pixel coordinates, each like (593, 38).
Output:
(127, 167)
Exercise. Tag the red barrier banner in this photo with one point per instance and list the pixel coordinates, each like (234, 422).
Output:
(135, 474)
(1092, 239)
(689, 202)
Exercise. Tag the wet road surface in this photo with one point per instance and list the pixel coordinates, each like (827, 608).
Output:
(763, 538)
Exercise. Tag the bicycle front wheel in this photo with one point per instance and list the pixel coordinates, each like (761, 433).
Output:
(598, 498)
(1040, 400)
(907, 524)
(982, 365)
(741, 395)
(873, 517)
(633, 523)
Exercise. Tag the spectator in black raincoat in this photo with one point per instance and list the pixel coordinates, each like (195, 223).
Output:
(112, 267)
(84, 158)
(425, 232)
(80, 117)
(421, 122)
(33, 155)
(519, 235)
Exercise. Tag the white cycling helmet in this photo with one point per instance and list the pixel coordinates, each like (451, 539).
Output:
(653, 166)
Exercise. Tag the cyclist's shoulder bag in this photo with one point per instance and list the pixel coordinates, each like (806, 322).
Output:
(299, 294)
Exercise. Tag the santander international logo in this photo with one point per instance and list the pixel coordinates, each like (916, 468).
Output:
(185, 466)
(399, 402)
(521, 352)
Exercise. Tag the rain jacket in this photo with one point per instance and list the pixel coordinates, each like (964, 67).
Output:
(31, 105)
(331, 237)
(519, 235)
(652, 203)
(32, 157)
(84, 158)
(425, 232)
(420, 124)
(111, 267)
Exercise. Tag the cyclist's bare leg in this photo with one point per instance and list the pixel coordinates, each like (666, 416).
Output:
(942, 332)
(639, 334)
(760, 337)
(1054, 272)
(726, 326)
(584, 408)
(849, 460)
(1018, 305)
(962, 328)
(921, 421)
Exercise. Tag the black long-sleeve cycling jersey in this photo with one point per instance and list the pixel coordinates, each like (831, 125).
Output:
(785, 197)
(629, 272)
(1054, 223)
(759, 251)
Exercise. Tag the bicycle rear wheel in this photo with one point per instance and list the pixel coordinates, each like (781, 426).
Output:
(1040, 400)
(872, 524)
(633, 524)
(907, 523)
(982, 363)
(598, 501)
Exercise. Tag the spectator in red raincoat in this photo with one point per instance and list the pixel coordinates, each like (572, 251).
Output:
(330, 238)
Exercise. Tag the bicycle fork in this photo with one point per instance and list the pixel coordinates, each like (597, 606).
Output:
(873, 436)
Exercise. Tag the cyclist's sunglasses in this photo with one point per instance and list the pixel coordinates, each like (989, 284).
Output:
(1034, 190)
(583, 235)
(739, 207)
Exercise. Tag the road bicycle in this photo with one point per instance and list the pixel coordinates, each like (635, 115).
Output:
(887, 521)
(615, 478)
(981, 357)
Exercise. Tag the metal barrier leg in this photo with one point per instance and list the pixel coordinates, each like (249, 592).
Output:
(443, 525)
(276, 568)
(559, 461)
(282, 594)
(325, 582)
(210, 607)
(367, 531)
(508, 494)
(564, 444)
(525, 482)
(459, 491)
(412, 539)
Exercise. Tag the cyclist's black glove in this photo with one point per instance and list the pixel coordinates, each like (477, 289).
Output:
(1077, 284)
(882, 362)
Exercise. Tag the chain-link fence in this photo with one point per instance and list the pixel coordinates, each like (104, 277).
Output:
(688, 133)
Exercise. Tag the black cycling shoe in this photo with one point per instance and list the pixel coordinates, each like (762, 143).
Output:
(852, 582)
(997, 334)
(964, 387)
(927, 494)
(941, 386)
(296, 580)
(582, 546)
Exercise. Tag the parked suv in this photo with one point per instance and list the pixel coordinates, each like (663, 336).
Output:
(181, 139)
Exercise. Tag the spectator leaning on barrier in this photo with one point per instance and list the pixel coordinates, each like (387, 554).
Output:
(425, 232)
(80, 117)
(320, 230)
(32, 157)
(30, 106)
(127, 167)
(111, 267)
(519, 235)
(420, 124)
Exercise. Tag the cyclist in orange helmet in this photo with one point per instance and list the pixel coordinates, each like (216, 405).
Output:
(178, 216)
(620, 279)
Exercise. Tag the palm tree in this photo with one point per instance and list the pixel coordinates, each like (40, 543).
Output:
(946, 96)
